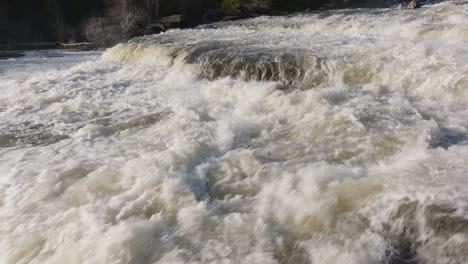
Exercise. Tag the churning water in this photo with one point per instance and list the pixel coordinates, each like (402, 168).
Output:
(333, 137)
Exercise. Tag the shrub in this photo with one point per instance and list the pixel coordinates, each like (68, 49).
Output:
(230, 5)
(255, 5)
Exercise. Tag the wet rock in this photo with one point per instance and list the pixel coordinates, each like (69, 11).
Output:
(154, 28)
(174, 21)
(83, 46)
(213, 15)
(231, 18)
(413, 4)
(238, 16)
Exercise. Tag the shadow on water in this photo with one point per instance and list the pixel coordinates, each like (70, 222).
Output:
(445, 137)
(42, 135)
(19, 138)
(401, 252)
(441, 220)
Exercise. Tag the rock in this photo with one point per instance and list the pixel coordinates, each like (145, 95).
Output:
(212, 15)
(173, 21)
(83, 46)
(154, 28)
(215, 15)
(231, 18)
(413, 4)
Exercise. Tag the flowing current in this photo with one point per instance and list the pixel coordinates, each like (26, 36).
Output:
(332, 137)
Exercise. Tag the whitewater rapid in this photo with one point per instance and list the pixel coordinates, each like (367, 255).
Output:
(323, 138)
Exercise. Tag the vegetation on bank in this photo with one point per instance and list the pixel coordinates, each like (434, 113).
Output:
(108, 21)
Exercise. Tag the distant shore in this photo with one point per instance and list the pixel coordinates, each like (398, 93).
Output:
(28, 46)
(108, 36)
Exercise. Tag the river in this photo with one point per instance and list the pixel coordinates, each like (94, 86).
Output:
(331, 137)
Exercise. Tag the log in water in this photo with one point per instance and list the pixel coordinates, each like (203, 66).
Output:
(337, 137)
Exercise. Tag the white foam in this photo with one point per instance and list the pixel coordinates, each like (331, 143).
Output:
(134, 158)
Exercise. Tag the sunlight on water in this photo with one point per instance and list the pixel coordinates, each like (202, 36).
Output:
(335, 137)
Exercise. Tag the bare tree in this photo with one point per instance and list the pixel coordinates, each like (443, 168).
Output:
(153, 7)
(128, 15)
(61, 28)
(122, 20)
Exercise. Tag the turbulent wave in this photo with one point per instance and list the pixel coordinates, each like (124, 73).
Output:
(336, 137)
(316, 50)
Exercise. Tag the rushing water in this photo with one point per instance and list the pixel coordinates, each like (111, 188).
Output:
(337, 137)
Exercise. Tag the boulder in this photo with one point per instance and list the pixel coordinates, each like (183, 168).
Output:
(413, 4)
(154, 28)
(82, 46)
(212, 15)
(174, 21)
(215, 15)
(231, 18)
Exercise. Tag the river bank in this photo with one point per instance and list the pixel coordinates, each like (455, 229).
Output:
(10, 54)
(105, 29)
